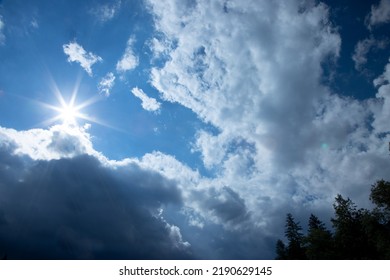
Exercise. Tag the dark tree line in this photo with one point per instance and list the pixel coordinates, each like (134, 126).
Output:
(357, 233)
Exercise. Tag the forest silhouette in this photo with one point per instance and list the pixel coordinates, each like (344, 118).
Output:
(358, 234)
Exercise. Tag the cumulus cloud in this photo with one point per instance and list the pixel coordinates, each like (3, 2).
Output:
(129, 60)
(382, 112)
(379, 14)
(2, 36)
(57, 142)
(283, 142)
(160, 46)
(106, 12)
(106, 84)
(76, 53)
(148, 103)
(80, 205)
(363, 48)
(77, 207)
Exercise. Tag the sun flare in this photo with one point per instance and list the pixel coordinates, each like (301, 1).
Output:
(68, 111)
(69, 114)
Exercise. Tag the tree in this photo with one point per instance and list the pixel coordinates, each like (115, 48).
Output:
(281, 251)
(319, 241)
(294, 236)
(358, 233)
(350, 235)
(380, 196)
(378, 226)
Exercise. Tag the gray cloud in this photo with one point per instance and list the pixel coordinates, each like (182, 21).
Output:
(363, 48)
(77, 208)
(380, 14)
(227, 205)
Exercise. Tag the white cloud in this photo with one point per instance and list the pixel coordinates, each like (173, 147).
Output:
(2, 36)
(254, 70)
(148, 103)
(379, 14)
(60, 141)
(363, 48)
(76, 53)
(129, 60)
(106, 84)
(160, 47)
(106, 12)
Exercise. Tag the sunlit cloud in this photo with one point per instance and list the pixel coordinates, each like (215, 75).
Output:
(76, 53)
(148, 103)
(106, 83)
(129, 60)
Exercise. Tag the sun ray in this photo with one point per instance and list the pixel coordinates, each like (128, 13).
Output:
(70, 113)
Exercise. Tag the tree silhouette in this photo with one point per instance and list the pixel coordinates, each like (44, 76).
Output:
(281, 251)
(378, 227)
(294, 235)
(319, 241)
(380, 196)
(350, 236)
(357, 233)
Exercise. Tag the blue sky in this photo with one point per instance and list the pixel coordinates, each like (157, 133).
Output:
(190, 128)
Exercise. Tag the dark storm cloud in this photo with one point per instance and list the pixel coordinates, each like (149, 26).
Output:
(227, 205)
(79, 209)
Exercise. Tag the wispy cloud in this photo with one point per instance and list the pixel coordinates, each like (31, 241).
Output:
(379, 14)
(34, 23)
(129, 60)
(76, 53)
(2, 36)
(106, 84)
(106, 12)
(148, 103)
(363, 48)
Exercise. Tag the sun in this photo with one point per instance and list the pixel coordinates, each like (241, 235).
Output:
(68, 110)
(69, 113)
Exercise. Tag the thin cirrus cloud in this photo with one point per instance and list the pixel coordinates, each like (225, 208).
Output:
(128, 60)
(106, 83)
(2, 36)
(77, 53)
(106, 12)
(148, 103)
